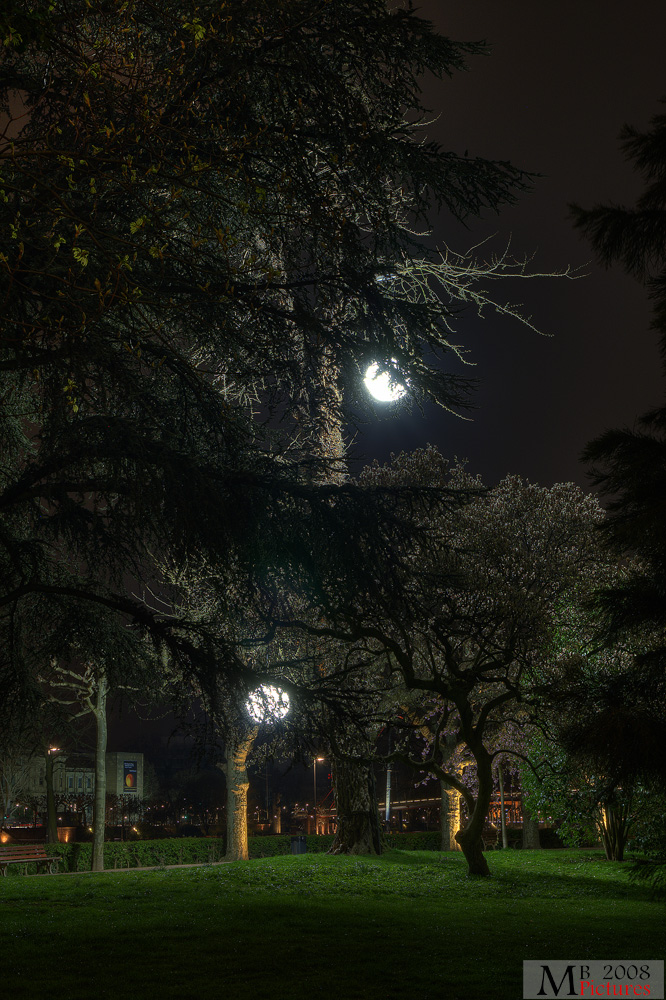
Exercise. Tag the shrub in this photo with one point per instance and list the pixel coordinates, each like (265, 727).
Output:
(271, 846)
(142, 853)
(425, 840)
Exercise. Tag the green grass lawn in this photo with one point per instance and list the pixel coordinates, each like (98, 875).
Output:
(409, 924)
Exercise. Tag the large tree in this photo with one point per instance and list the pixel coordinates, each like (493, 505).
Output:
(467, 617)
(211, 214)
(628, 466)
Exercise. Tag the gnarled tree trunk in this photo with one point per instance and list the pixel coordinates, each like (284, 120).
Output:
(235, 770)
(449, 817)
(470, 837)
(358, 830)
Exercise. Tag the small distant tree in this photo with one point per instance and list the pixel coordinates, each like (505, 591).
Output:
(14, 776)
(584, 805)
(84, 693)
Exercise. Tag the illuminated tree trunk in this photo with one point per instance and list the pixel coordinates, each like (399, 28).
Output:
(99, 804)
(358, 830)
(235, 770)
(449, 817)
(505, 839)
(470, 837)
(613, 825)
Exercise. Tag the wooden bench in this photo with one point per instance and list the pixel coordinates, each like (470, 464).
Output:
(25, 854)
(490, 836)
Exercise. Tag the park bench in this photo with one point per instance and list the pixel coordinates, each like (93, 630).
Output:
(25, 854)
(490, 837)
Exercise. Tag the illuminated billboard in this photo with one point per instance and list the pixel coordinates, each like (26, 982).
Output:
(129, 776)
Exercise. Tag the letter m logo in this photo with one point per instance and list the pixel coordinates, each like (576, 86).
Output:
(547, 976)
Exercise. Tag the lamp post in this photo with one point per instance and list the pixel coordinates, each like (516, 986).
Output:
(51, 817)
(314, 806)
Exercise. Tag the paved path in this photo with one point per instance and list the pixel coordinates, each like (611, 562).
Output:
(144, 868)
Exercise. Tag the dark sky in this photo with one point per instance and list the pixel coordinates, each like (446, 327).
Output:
(561, 80)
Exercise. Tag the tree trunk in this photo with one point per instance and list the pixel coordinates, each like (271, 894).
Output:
(449, 817)
(51, 816)
(470, 837)
(235, 770)
(276, 826)
(474, 856)
(99, 803)
(319, 413)
(613, 826)
(531, 840)
(505, 839)
(387, 803)
(358, 830)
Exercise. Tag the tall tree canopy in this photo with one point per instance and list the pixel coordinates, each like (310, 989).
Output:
(629, 467)
(209, 213)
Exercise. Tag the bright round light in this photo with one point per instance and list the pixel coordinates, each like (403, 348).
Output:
(379, 385)
(267, 704)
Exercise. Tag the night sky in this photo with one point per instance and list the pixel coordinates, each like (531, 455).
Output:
(552, 96)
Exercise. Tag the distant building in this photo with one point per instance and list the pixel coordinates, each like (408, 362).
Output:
(74, 774)
(124, 774)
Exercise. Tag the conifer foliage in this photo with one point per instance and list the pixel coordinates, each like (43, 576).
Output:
(199, 204)
(629, 466)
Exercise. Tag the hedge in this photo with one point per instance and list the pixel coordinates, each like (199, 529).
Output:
(77, 857)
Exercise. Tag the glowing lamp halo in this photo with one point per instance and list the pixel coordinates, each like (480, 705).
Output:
(380, 385)
(267, 704)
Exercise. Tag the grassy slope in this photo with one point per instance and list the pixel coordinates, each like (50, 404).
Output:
(409, 924)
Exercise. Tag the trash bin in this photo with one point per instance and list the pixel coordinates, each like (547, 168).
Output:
(299, 845)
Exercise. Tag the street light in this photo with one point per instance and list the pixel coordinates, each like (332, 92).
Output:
(267, 704)
(314, 807)
(384, 385)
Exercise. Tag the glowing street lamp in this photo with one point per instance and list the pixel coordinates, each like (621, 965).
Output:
(382, 386)
(267, 704)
